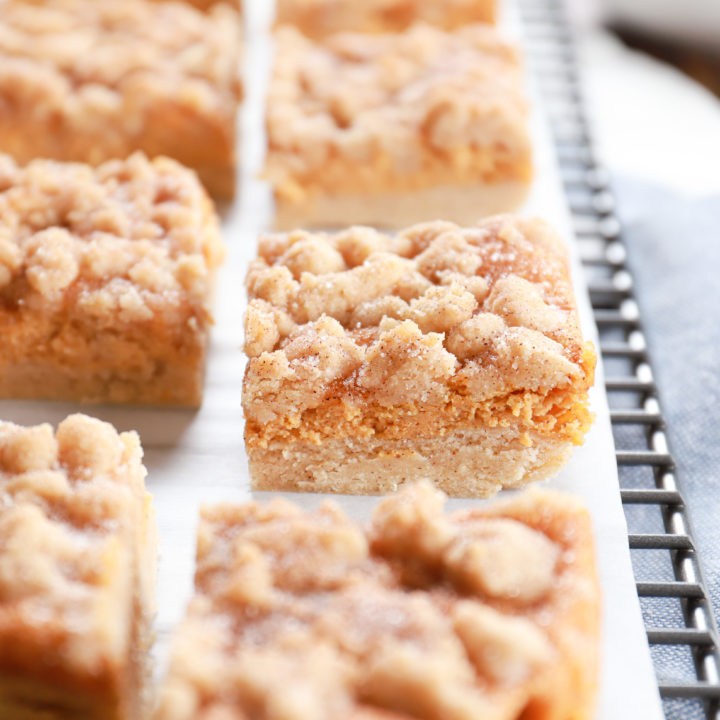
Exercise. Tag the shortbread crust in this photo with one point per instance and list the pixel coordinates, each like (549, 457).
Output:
(106, 277)
(491, 613)
(444, 352)
(317, 18)
(498, 457)
(77, 572)
(356, 120)
(82, 80)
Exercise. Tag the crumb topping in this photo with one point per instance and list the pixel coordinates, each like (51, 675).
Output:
(353, 111)
(416, 616)
(82, 63)
(69, 503)
(130, 240)
(409, 319)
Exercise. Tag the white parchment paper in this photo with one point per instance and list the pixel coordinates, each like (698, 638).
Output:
(195, 458)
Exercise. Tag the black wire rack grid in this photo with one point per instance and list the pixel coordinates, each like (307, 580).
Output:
(671, 585)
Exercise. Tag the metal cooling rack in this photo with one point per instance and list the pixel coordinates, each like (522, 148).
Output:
(681, 629)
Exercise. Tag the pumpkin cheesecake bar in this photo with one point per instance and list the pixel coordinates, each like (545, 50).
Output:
(317, 18)
(106, 276)
(77, 572)
(88, 81)
(387, 130)
(491, 613)
(442, 352)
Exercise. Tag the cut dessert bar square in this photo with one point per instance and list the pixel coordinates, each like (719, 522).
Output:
(442, 352)
(106, 278)
(388, 130)
(77, 572)
(87, 81)
(491, 614)
(317, 18)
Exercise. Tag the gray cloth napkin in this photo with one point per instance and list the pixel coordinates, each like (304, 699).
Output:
(673, 248)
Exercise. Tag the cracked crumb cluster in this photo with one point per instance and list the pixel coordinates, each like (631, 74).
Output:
(375, 337)
(317, 18)
(137, 235)
(88, 81)
(76, 570)
(298, 615)
(106, 271)
(406, 317)
(358, 113)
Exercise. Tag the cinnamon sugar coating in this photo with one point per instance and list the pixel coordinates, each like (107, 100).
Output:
(88, 81)
(491, 613)
(356, 113)
(77, 560)
(317, 18)
(93, 260)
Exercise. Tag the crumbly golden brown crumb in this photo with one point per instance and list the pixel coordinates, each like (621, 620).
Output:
(491, 613)
(356, 115)
(438, 328)
(77, 559)
(88, 81)
(105, 274)
(318, 18)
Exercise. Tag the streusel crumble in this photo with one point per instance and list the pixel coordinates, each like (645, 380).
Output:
(442, 352)
(317, 18)
(77, 572)
(489, 614)
(387, 130)
(82, 80)
(106, 278)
